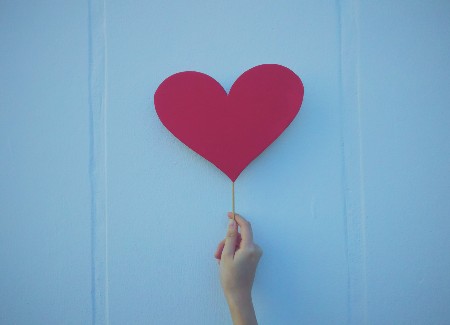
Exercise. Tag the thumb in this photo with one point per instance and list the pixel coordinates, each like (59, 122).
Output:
(230, 240)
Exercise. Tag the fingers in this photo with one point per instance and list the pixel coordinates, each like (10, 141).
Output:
(218, 253)
(230, 241)
(246, 228)
(219, 250)
(234, 239)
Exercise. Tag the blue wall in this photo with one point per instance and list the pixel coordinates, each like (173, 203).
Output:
(106, 218)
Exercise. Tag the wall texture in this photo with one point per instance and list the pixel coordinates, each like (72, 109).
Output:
(105, 218)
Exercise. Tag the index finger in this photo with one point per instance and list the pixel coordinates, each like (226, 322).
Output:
(246, 228)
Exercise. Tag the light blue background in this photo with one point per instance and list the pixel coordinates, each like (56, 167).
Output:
(106, 218)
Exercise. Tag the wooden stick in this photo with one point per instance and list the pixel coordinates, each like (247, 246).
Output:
(232, 199)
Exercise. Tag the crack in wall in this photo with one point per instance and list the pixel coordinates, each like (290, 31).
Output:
(352, 165)
(97, 162)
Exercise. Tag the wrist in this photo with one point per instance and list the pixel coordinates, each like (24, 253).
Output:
(241, 309)
(239, 298)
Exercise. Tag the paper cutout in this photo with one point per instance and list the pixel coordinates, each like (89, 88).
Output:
(230, 130)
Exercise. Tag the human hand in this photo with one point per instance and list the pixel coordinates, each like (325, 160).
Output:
(238, 257)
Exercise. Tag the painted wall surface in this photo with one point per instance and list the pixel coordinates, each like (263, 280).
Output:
(405, 133)
(106, 218)
(45, 223)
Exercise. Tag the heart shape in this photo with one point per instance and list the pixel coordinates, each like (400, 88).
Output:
(230, 130)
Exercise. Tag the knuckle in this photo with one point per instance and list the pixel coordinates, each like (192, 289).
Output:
(254, 251)
(246, 223)
(225, 258)
(231, 233)
(260, 251)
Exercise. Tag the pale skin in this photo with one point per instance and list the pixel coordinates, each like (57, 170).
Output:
(238, 258)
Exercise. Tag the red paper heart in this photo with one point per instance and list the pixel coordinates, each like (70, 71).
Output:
(230, 130)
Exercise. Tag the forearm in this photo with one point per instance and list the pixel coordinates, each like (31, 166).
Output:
(241, 309)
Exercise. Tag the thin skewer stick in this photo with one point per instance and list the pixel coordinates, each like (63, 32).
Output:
(232, 199)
